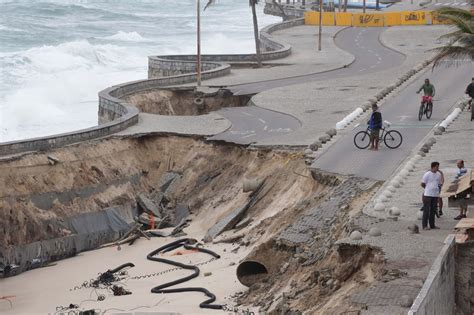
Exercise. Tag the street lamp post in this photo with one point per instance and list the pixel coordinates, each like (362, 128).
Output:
(198, 54)
(320, 23)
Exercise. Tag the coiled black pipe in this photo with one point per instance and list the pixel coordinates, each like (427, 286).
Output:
(186, 243)
(121, 267)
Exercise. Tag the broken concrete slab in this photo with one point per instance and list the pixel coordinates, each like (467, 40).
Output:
(181, 212)
(169, 182)
(148, 206)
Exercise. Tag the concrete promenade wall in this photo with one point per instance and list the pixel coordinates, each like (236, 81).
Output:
(116, 115)
(437, 295)
(216, 65)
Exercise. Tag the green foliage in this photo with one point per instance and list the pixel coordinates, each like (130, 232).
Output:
(460, 44)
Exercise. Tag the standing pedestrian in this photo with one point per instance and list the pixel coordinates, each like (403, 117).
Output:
(431, 183)
(463, 204)
(470, 91)
(375, 124)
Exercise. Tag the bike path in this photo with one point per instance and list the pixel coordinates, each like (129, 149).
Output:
(402, 111)
(370, 56)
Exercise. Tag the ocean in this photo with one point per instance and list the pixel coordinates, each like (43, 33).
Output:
(56, 55)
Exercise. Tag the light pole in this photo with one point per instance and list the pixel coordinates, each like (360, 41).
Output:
(198, 54)
(320, 23)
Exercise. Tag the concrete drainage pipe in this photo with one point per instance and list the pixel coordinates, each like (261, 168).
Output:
(199, 102)
(250, 272)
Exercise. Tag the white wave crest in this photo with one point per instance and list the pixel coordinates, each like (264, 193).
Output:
(127, 37)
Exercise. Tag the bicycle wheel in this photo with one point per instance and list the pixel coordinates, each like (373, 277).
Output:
(421, 111)
(429, 110)
(393, 139)
(362, 139)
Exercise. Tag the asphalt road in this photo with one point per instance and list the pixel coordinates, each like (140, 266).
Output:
(370, 56)
(402, 111)
(247, 126)
(252, 123)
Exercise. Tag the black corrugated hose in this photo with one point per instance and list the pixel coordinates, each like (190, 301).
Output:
(186, 243)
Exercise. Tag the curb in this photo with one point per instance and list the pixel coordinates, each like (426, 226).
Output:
(347, 120)
(378, 203)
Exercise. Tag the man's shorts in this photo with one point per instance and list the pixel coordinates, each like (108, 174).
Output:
(374, 133)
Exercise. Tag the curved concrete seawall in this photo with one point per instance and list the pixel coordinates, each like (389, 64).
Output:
(115, 114)
(214, 65)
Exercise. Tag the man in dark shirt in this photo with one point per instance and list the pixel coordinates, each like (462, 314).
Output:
(470, 91)
(375, 124)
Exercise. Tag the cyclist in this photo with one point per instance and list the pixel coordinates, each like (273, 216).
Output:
(428, 91)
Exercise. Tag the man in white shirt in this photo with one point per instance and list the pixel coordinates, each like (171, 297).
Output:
(431, 182)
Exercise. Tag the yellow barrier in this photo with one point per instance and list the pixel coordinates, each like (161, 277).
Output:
(392, 19)
(435, 19)
(344, 19)
(374, 19)
(414, 18)
(361, 19)
(312, 18)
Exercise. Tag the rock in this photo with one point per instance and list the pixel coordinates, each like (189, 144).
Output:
(284, 267)
(414, 229)
(391, 188)
(406, 301)
(52, 160)
(422, 154)
(356, 235)
(207, 274)
(308, 152)
(394, 211)
(331, 132)
(379, 207)
(315, 145)
(324, 138)
(375, 231)
(232, 264)
(387, 194)
(404, 173)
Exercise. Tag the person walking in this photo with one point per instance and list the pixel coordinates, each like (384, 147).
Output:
(375, 124)
(431, 183)
(463, 205)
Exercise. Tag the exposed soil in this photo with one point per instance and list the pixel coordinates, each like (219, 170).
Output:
(37, 194)
(184, 102)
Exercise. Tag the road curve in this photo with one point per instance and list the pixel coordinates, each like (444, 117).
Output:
(370, 56)
(402, 111)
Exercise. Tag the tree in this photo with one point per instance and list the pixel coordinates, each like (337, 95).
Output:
(252, 4)
(460, 41)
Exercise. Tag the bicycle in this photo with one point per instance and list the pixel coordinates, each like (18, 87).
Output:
(426, 107)
(392, 138)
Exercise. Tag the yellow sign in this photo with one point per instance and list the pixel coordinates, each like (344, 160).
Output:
(360, 19)
(414, 18)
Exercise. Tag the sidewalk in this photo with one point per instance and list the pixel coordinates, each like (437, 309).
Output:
(419, 250)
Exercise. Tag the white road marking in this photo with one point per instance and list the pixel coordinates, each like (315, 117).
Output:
(371, 51)
(403, 117)
(438, 4)
(362, 70)
(265, 128)
(245, 113)
(262, 121)
(248, 136)
(373, 66)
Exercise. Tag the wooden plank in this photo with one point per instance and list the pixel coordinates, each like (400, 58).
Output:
(467, 223)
